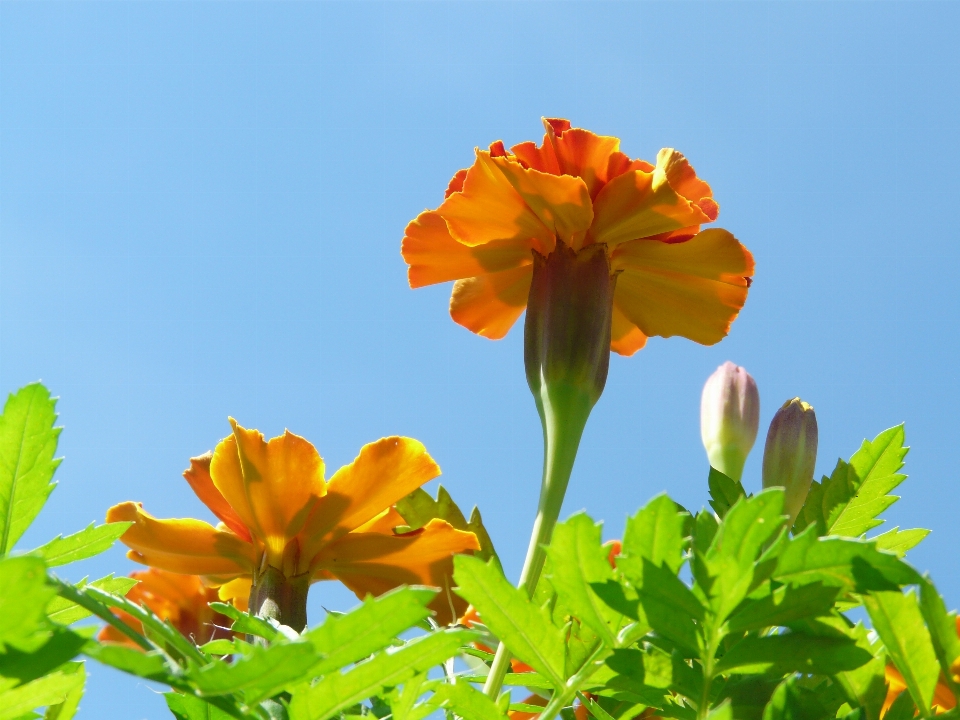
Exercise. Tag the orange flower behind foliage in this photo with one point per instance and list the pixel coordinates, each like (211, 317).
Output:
(180, 599)
(578, 189)
(943, 698)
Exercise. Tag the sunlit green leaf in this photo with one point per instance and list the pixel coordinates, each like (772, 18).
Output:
(792, 701)
(68, 708)
(149, 665)
(669, 607)
(190, 707)
(246, 623)
(724, 492)
(866, 685)
(59, 648)
(64, 612)
(793, 652)
(259, 675)
(467, 702)
(784, 605)
(943, 631)
(899, 541)
(28, 442)
(655, 533)
(81, 545)
(51, 689)
(24, 595)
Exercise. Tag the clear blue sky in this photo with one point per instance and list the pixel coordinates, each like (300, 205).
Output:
(201, 207)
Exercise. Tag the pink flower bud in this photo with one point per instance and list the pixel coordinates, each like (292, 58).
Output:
(791, 453)
(729, 418)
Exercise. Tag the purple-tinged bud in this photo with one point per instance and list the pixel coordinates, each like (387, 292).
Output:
(791, 453)
(729, 418)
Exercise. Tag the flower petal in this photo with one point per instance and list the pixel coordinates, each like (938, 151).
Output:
(374, 563)
(185, 546)
(639, 204)
(489, 305)
(278, 484)
(198, 475)
(488, 208)
(236, 592)
(434, 256)
(625, 337)
(384, 472)
(694, 288)
(384, 523)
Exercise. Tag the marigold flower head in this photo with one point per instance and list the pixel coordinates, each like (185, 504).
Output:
(278, 511)
(182, 600)
(578, 189)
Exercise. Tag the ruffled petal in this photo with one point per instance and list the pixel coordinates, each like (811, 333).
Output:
(488, 208)
(371, 563)
(694, 289)
(385, 523)
(278, 484)
(184, 546)
(489, 305)
(625, 337)
(640, 204)
(198, 475)
(435, 257)
(384, 472)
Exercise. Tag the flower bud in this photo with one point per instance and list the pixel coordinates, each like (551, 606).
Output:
(729, 418)
(791, 453)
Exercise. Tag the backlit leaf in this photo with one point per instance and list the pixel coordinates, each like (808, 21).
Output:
(793, 652)
(724, 492)
(24, 596)
(62, 611)
(655, 533)
(467, 702)
(259, 675)
(51, 689)
(86, 543)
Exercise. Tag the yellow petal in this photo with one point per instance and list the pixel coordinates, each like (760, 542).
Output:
(236, 592)
(434, 256)
(639, 204)
(198, 475)
(272, 485)
(562, 202)
(182, 546)
(374, 563)
(488, 208)
(489, 305)
(384, 472)
(625, 337)
(384, 523)
(694, 289)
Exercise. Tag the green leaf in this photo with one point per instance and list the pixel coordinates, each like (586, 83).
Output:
(81, 545)
(467, 702)
(418, 508)
(61, 647)
(68, 708)
(375, 625)
(943, 631)
(190, 707)
(28, 442)
(646, 675)
(24, 595)
(671, 609)
(854, 565)
(898, 621)
(525, 628)
(576, 559)
(149, 665)
(655, 533)
(246, 623)
(594, 708)
(259, 675)
(899, 541)
(51, 689)
(724, 492)
(62, 611)
(220, 646)
(867, 685)
(792, 701)
(339, 691)
(784, 605)
(903, 708)
(793, 652)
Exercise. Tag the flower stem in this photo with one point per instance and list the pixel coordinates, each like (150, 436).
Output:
(564, 410)
(280, 598)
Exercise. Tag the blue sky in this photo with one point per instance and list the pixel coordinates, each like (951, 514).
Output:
(201, 207)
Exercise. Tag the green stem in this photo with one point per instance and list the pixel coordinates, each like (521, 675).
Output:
(277, 597)
(564, 410)
(707, 662)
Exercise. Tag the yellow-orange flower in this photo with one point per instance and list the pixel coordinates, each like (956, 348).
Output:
(183, 600)
(943, 698)
(277, 510)
(579, 189)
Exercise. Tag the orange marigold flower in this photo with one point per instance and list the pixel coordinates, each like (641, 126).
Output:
(578, 189)
(183, 600)
(277, 511)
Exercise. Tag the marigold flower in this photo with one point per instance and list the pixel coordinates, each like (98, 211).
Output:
(281, 518)
(182, 600)
(578, 189)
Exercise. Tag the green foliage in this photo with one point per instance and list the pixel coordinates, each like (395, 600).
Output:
(724, 492)
(94, 540)
(61, 688)
(23, 603)
(64, 612)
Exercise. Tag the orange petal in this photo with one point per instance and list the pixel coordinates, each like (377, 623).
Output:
(562, 202)
(639, 204)
(181, 590)
(582, 153)
(198, 475)
(236, 592)
(272, 485)
(384, 472)
(384, 523)
(182, 546)
(374, 563)
(694, 289)
(625, 337)
(488, 208)
(434, 256)
(489, 305)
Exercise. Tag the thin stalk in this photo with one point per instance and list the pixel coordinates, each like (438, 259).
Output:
(69, 592)
(707, 663)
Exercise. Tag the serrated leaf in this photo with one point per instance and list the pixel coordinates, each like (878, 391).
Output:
(467, 702)
(48, 690)
(784, 605)
(61, 647)
(68, 708)
(24, 596)
(62, 611)
(793, 652)
(190, 707)
(899, 541)
(792, 701)
(724, 491)
(259, 675)
(898, 621)
(525, 628)
(339, 691)
(669, 607)
(149, 665)
(655, 533)
(865, 686)
(646, 675)
(247, 624)
(403, 700)
(81, 545)
(28, 441)
(943, 631)
(345, 639)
